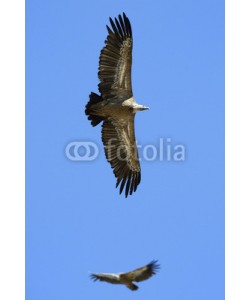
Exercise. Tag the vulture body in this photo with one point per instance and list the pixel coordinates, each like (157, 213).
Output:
(127, 279)
(115, 107)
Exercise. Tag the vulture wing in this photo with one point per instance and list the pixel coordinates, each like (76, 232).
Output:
(116, 60)
(111, 278)
(118, 137)
(143, 273)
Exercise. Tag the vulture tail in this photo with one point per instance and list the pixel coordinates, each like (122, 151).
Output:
(93, 99)
(132, 287)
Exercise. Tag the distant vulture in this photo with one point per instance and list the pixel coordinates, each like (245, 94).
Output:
(137, 275)
(116, 106)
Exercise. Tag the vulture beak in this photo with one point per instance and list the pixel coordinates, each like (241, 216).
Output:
(140, 107)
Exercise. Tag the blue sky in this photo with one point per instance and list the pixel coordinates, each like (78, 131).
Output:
(76, 221)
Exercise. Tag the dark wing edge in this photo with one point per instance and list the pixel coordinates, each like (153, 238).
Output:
(110, 278)
(115, 60)
(145, 272)
(122, 153)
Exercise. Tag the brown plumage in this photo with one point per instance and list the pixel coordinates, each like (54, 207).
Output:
(127, 279)
(116, 60)
(116, 107)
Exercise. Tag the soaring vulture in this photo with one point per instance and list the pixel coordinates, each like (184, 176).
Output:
(116, 106)
(137, 275)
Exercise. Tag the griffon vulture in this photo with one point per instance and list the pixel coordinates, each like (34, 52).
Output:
(137, 275)
(116, 106)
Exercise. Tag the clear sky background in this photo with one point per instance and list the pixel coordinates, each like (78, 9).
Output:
(76, 221)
